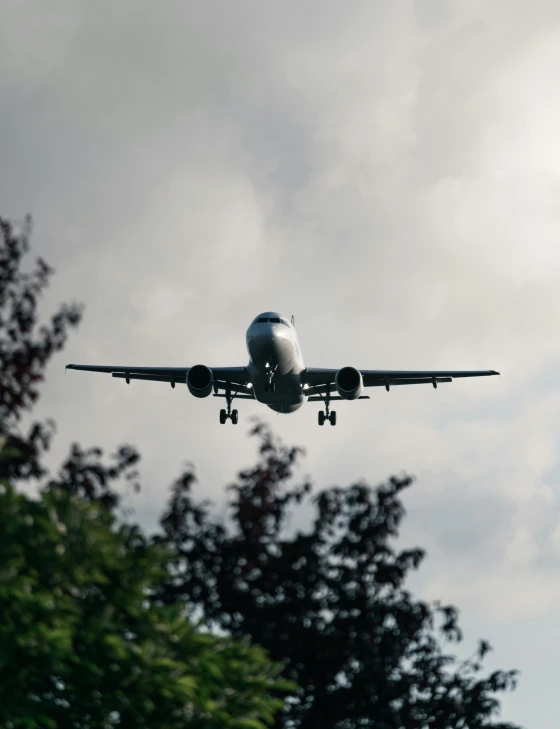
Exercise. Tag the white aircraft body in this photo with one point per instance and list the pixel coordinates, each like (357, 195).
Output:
(277, 376)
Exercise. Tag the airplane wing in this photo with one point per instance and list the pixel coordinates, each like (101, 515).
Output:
(236, 377)
(323, 380)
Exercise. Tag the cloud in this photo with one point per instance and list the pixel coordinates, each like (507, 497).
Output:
(388, 172)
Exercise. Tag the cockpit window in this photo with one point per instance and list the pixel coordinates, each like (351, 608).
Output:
(272, 320)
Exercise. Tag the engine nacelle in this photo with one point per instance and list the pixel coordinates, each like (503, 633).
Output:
(349, 383)
(200, 380)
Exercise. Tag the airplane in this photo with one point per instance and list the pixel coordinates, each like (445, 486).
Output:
(277, 376)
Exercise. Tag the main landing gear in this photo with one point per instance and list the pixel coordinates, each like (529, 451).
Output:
(327, 414)
(229, 414)
(233, 416)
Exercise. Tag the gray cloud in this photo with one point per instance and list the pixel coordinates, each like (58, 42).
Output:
(389, 173)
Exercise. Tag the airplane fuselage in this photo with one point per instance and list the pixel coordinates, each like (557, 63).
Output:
(275, 362)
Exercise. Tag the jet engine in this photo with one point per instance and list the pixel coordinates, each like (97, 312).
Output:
(200, 380)
(349, 383)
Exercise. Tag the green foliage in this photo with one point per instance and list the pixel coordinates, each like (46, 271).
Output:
(84, 643)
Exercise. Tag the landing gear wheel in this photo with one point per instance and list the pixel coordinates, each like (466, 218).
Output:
(229, 414)
(333, 417)
(321, 418)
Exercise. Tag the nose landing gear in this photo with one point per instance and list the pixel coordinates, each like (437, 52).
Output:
(270, 372)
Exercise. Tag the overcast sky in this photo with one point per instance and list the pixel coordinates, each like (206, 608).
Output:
(387, 171)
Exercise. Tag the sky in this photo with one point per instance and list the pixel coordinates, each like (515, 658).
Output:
(389, 173)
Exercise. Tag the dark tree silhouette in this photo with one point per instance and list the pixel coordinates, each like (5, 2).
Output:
(329, 603)
(26, 346)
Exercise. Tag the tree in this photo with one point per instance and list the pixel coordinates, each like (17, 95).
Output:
(26, 347)
(330, 603)
(84, 643)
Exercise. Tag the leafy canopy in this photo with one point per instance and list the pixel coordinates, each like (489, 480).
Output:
(330, 602)
(84, 642)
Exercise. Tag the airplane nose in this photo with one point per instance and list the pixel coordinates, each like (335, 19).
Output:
(265, 347)
(262, 348)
